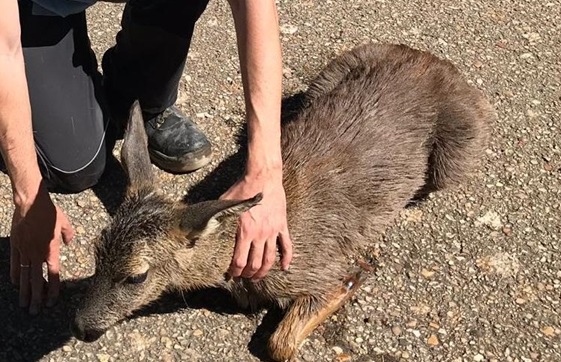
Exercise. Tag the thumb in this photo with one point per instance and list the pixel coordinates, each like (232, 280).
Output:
(65, 228)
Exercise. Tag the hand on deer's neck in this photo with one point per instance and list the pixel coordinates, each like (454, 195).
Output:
(261, 226)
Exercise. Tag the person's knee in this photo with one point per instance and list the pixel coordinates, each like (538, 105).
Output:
(80, 180)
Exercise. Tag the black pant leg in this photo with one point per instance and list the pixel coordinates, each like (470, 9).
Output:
(64, 85)
(149, 56)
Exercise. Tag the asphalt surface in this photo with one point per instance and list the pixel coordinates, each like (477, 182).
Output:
(472, 274)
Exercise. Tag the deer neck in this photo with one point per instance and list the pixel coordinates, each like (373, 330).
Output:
(206, 263)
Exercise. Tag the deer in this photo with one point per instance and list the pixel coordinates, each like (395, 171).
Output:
(381, 125)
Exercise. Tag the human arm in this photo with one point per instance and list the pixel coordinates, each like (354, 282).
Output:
(37, 223)
(261, 67)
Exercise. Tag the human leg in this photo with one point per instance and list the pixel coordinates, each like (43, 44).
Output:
(65, 92)
(146, 63)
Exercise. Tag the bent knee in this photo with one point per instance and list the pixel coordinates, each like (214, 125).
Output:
(80, 180)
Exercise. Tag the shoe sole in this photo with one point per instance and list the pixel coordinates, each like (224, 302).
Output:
(189, 163)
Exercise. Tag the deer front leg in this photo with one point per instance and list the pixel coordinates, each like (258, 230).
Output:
(304, 315)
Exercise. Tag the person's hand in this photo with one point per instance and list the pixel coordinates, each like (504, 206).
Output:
(259, 228)
(37, 228)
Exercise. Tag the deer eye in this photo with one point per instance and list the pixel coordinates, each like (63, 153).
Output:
(137, 279)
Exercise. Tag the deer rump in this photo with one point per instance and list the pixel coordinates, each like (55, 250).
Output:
(381, 125)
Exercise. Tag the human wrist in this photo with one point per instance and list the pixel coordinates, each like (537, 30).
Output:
(26, 185)
(24, 197)
(264, 172)
(18, 151)
(263, 160)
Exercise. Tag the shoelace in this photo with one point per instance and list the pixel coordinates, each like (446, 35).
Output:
(161, 118)
(160, 121)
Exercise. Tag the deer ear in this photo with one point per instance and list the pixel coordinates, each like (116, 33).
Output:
(134, 152)
(204, 218)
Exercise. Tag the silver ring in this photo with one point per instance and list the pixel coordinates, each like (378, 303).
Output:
(24, 266)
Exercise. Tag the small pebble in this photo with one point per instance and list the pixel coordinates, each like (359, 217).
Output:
(343, 358)
(427, 273)
(103, 357)
(337, 350)
(288, 29)
(548, 331)
(433, 340)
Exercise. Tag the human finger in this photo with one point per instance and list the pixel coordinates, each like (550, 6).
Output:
(269, 256)
(66, 229)
(241, 252)
(286, 249)
(24, 284)
(14, 263)
(37, 283)
(53, 273)
(254, 260)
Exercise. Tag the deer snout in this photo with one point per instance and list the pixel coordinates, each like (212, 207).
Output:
(84, 333)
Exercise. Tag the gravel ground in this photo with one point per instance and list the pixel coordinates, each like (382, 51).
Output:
(473, 274)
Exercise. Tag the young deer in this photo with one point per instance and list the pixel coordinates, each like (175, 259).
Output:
(382, 124)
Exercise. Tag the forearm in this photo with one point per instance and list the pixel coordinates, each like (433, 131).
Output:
(261, 66)
(16, 136)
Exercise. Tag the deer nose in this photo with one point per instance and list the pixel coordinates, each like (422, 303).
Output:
(82, 333)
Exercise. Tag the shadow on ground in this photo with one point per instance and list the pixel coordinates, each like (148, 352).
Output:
(25, 337)
(232, 168)
(112, 186)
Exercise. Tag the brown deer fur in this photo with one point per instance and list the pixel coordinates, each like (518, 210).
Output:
(381, 125)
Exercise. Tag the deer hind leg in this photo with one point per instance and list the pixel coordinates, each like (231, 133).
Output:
(304, 315)
(461, 136)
